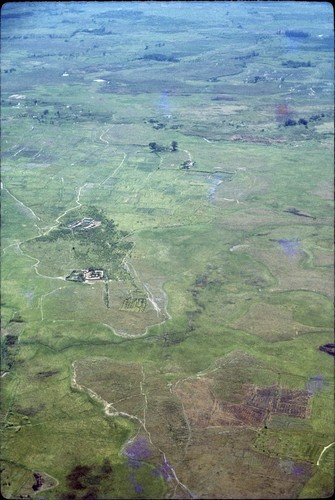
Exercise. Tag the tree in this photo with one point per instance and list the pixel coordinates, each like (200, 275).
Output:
(106, 467)
(174, 146)
(156, 148)
(76, 476)
(303, 121)
(290, 123)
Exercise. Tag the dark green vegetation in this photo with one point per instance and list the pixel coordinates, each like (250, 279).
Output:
(101, 246)
(185, 150)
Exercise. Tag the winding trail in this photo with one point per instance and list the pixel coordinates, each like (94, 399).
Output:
(111, 411)
(116, 170)
(322, 452)
(68, 210)
(231, 199)
(45, 295)
(151, 298)
(130, 268)
(20, 202)
(104, 133)
(188, 153)
(125, 334)
(41, 233)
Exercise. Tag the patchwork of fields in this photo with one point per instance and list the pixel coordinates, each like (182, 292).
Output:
(167, 250)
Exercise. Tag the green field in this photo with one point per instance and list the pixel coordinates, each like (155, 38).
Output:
(198, 138)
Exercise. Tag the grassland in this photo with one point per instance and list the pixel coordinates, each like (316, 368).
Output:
(193, 370)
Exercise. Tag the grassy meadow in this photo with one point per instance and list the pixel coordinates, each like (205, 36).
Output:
(199, 136)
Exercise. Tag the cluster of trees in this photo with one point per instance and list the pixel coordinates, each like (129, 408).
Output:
(291, 123)
(247, 56)
(17, 318)
(159, 44)
(186, 165)
(96, 247)
(16, 15)
(316, 118)
(255, 79)
(38, 481)
(328, 348)
(303, 121)
(159, 58)
(87, 479)
(100, 246)
(97, 31)
(156, 124)
(296, 34)
(9, 350)
(296, 64)
(157, 148)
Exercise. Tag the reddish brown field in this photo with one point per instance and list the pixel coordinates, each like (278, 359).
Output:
(204, 410)
(209, 427)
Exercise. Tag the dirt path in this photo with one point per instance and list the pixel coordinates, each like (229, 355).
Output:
(188, 153)
(322, 452)
(151, 298)
(104, 133)
(20, 202)
(68, 210)
(111, 411)
(45, 295)
(116, 170)
(125, 334)
(57, 220)
(41, 233)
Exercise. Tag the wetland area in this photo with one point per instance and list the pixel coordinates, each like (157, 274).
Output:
(167, 250)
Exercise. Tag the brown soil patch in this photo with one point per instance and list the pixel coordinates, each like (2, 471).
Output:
(204, 410)
(207, 425)
(235, 414)
(222, 465)
(280, 401)
(140, 394)
(292, 403)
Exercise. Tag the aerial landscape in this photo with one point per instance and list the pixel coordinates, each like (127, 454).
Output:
(167, 250)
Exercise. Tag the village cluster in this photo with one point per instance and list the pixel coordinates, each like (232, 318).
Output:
(87, 275)
(85, 223)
